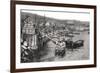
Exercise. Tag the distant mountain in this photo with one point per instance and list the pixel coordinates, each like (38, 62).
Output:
(38, 18)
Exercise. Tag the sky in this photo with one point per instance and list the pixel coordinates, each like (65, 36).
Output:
(64, 15)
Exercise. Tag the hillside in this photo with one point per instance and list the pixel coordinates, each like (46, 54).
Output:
(39, 19)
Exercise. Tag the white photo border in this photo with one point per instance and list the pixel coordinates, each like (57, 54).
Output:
(53, 64)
